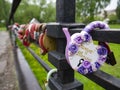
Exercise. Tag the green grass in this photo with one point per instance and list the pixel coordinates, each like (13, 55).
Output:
(37, 69)
(115, 26)
(2, 28)
(40, 73)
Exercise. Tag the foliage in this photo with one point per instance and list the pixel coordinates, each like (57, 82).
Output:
(48, 15)
(25, 15)
(118, 10)
(39, 9)
(113, 19)
(42, 10)
(2, 28)
(115, 26)
(86, 10)
(89, 8)
(4, 11)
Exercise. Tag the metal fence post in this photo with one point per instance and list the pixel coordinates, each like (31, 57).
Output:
(65, 13)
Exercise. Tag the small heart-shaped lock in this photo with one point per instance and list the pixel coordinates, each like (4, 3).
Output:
(81, 53)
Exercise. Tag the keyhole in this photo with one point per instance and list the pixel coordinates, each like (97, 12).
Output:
(80, 61)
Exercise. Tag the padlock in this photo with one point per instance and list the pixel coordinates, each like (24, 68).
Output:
(81, 53)
(38, 30)
(46, 43)
(41, 44)
(15, 27)
(21, 31)
(29, 33)
(26, 38)
(32, 30)
(26, 42)
(110, 56)
(111, 59)
(35, 29)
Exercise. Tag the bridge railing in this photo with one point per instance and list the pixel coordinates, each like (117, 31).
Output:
(64, 78)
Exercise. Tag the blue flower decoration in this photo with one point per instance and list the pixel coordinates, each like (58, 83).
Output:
(87, 37)
(86, 64)
(90, 69)
(73, 48)
(78, 40)
(81, 70)
(102, 26)
(102, 51)
(97, 65)
(96, 25)
(87, 29)
(103, 59)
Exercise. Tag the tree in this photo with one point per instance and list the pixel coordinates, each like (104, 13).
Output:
(48, 14)
(39, 9)
(118, 10)
(87, 9)
(4, 11)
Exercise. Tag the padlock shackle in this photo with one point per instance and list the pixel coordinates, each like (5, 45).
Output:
(101, 25)
(96, 24)
(68, 37)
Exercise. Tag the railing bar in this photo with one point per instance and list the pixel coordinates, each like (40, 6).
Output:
(105, 80)
(45, 66)
(111, 35)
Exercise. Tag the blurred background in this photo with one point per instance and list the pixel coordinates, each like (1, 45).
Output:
(44, 11)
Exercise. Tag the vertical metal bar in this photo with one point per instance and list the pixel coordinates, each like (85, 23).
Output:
(65, 11)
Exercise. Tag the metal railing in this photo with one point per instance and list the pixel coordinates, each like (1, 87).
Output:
(64, 78)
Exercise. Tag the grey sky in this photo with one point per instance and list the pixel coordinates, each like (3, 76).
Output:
(47, 0)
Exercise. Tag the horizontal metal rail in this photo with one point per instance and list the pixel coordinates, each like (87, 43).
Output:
(45, 66)
(105, 80)
(112, 35)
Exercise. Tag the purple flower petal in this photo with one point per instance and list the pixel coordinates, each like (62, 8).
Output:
(73, 48)
(103, 59)
(96, 25)
(78, 40)
(97, 65)
(87, 37)
(102, 51)
(90, 69)
(86, 64)
(87, 29)
(92, 26)
(81, 70)
(102, 26)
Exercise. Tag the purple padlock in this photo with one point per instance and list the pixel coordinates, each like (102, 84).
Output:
(81, 53)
